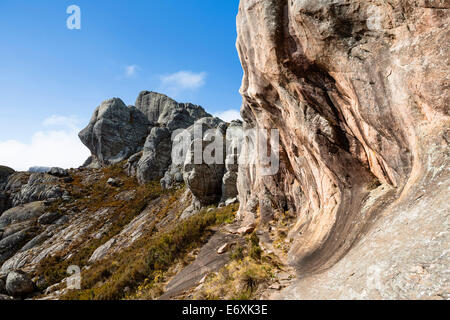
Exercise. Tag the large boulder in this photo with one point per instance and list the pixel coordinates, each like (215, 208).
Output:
(204, 178)
(115, 132)
(168, 116)
(163, 110)
(19, 284)
(156, 157)
(22, 213)
(233, 144)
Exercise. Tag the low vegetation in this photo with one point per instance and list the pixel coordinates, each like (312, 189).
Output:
(88, 198)
(249, 272)
(148, 258)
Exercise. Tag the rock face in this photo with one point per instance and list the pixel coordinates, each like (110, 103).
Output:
(141, 134)
(17, 227)
(359, 94)
(204, 179)
(233, 142)
(168, 116)
(156, 157)
(163, 110)
(38, 186)
(115, 132)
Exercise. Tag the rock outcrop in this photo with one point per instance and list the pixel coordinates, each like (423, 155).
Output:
(17, 227)
(38, 187)
(115, 132)
(18, 284)
(203, 177)
(5, 172)
(358, 91)
(168, 116)
(356, 94)
(156, 157)
(141, 134)
(165, 111)
(234, 140)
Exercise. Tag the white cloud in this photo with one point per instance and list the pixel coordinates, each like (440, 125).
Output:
(131, 71)
(49, 148)
(183, 80)
(229, 115)
(62, 121)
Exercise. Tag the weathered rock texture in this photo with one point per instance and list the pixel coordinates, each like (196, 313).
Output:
(115, 132)
(359, 93)
(205, 179)
(141, 134)
(167, 115)
(163, 110)
(156, 157)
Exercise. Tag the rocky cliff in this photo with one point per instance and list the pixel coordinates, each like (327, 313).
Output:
(359, 93)
(130, 190)
(354, 96)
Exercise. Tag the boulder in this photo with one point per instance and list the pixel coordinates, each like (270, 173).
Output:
(233, 144)
(156, 157)
(204, 179)
(22, 213)
(163, 110)
(4, 202)
(115, 132)
(58, 172)
(19, 284)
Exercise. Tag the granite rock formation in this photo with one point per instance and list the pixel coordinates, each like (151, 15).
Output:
(165, 111)
(115, 132)
(359, 93)
(204, 179)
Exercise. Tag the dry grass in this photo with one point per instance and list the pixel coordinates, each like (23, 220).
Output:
(89, 199)
(142, 265)
(244, 277)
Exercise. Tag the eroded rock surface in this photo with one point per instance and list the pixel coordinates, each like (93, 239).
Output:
(163, 110)
(202, 178)
(359, 93)
(115, 132)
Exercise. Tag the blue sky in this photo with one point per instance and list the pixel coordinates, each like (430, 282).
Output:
(52, 78)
